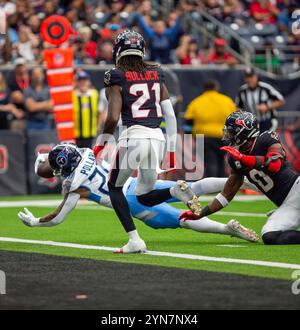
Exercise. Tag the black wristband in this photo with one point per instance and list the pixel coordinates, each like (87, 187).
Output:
(206, 212)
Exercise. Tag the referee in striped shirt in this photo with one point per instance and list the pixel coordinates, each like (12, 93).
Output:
(261, 99)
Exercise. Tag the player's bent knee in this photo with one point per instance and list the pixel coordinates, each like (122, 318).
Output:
(271, 238)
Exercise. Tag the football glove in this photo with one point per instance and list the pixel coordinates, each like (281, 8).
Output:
(28, 218)
(188, 215)
(235, 154)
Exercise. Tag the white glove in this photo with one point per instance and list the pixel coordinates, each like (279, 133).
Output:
(28, 218)
(41, 158)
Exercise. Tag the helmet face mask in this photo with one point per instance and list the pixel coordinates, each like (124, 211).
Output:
(228, 137)
(128, 43)
(64, 159)
(240, 128)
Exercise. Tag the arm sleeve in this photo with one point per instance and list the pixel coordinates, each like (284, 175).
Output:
(171, 124)
(68, 207)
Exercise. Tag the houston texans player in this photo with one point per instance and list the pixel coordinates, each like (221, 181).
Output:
(84, 179)
(136, 91)
(262, 159)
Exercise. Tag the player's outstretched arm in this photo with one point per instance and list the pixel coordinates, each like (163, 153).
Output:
(54, 218)
(231, 188)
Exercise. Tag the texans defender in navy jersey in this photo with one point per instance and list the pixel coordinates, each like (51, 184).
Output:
(136, 91)
(262, 159)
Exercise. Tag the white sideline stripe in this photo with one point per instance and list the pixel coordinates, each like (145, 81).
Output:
(51, 72)
(61, 89)
(157, 254)
(69, 124)
(90, 206)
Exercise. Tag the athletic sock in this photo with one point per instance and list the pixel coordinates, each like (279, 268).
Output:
(155, 197)
(121, 207)
(208, 186)
(206, 225)
(134, 235)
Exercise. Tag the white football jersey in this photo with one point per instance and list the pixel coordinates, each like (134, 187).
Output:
(92, 177)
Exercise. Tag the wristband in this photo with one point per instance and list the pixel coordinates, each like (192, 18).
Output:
(222, 200)
(206, 212)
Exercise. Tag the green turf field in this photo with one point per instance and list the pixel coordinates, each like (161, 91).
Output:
(94, 225)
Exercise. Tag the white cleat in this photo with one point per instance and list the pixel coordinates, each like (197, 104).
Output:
(184, 193)
(133, 247)
(237, 230)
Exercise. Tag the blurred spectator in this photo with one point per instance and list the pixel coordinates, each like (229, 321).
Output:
(261, 99)
(234, 12)
(38, 102)
(9, 7)
(110, 32)
(161, 38)
(219, 55)
(27, 44)
(7, 109)
(18, 81)
(145, 9)
(214, 8)
(106, 53)
(206, 115)
(285, 18)
(88, 118)
(89, 46)
(188, 51)
(50, 8)
(264, 11)
(5, 44)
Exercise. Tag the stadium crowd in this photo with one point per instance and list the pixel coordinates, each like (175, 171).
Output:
(96, 23)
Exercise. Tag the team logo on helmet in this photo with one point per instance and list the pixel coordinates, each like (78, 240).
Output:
(62, 158)
(244, 123)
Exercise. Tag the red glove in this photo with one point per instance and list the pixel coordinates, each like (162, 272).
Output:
(98, 150)
(235, 154)
(188, 215)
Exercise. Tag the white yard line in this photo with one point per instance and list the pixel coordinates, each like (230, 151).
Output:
(157, 253)
(55, 202)
(90, 206)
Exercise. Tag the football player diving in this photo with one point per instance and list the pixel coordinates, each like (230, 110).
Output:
(83, 178)
(262, 159)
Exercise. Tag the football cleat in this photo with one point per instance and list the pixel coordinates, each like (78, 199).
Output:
(133, 247)
(239, 231)
(184, 193)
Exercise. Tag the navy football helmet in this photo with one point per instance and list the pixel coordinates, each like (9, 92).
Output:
(128, 43)
(240, 127)
(64, 158)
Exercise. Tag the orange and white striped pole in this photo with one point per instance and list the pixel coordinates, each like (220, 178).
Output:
(60, 73)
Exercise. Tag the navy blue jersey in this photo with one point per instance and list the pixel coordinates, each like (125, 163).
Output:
(276, 186)
(141, 94)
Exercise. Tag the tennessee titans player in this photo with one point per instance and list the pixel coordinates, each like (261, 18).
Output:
(83, 178)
